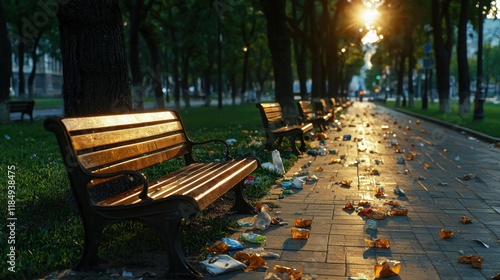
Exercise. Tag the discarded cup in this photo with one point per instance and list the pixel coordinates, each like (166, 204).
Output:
(300, 233)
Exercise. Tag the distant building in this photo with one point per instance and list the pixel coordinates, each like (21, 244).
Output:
(48, 80)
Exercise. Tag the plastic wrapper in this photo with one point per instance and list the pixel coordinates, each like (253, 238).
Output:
(364, 203)
(345, 182)
(294, 273)
(378, 243)
(445, 233)
(302, 223)
(392, 203)
(218, 247)
(253, 237)
(263, 253)
(475, 260)
(232, 243)
(465, 220)
(379, 191)
(222, 263)
(253, 261)
(371, 225)
(399, 211)
(377, 215)
(348, 206)
(300, 233)
(496, 277)
(374, 171)
(387, 268)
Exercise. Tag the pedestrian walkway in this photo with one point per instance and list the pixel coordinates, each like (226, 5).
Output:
(445, 174)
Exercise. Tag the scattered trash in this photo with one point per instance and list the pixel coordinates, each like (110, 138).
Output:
(297, 183)
(232, 244)
(444, 233)
(346, 183)
(277, 161)
(319, 168)
(379, 191)
(378, 243)
(127, 274)
(346, 137)
(33, 156)
(293, 273)
(426, 166)
(469, 176)
(253, 237)
(348, 206)
(398, 211)
(222, 263)
(465, 220)
(302, 223)
(269, 166)
(496, 277)
(457, 158)
(387, 268)
(401, 160)
(262, 220)
(420, 177)
(399, 191)
(443, 184)
(482, 243)
(218, 247)
(475, 260)
(371, 225)
(300, 233)
(262, 252)
(7, 137)
(374, 171)
(253, 261)
(231, 142)
(384, 127)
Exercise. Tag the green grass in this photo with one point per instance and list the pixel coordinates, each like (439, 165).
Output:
(49, 232)
(488, 125)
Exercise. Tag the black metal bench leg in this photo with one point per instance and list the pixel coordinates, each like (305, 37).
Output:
(169, 229)
(90, 259)
(240, 204)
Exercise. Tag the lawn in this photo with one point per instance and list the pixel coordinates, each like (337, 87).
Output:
(488, 125)
(49, 233)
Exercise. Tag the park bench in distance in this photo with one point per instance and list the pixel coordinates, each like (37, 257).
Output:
(276, 127)
(309, 115)
(103, 152)
(23, 107)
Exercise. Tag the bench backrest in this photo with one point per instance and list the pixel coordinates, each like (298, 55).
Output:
(112, 143)
(271, 114)
(21, 106)
(306, 109)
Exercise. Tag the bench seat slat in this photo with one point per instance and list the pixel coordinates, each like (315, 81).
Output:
(197, 180)
(117, 154)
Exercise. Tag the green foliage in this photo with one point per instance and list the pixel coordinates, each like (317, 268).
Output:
(49, 232)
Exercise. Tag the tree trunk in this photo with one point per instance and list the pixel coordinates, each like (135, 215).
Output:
(442, 51)
(95, 72)
(175, 66)
(207, 75)
(185, 79)
(135, 68)
(31, 77)
(279, 45)
(5, 68)
(21, 88)
(463, 64)
(148, 36)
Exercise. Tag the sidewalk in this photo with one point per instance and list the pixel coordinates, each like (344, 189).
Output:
(462, 179)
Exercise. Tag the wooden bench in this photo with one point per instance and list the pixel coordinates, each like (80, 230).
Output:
(23, 107)
(109, 152)
(276, 127)
(310, 114)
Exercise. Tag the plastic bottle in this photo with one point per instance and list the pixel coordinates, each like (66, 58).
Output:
(253, 237)
(263, 220)
(278, 163)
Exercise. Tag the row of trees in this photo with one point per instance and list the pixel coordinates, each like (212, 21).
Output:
(113, 51)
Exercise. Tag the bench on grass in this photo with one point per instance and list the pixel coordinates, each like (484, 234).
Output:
(23, 107)
(105, 153)
(310, 114)
(276, 127)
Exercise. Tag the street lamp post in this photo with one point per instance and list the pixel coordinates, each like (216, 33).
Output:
(479, 97)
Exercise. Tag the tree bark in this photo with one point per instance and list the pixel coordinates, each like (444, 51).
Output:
(31, 77)
(135, 68)
(279, 45)
(5, 68)
(95, 72)
(147, 34)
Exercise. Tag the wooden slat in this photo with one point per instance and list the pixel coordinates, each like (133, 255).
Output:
(118, 154)
(86, 141)
(86, 123)
(203, 181)
(140, 163)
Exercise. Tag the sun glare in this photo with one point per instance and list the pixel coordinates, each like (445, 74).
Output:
(370, 16)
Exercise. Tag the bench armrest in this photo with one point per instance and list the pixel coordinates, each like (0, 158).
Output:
(144, 193)
(226, 152)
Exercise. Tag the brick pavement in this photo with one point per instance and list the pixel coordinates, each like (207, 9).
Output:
(436, 198)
